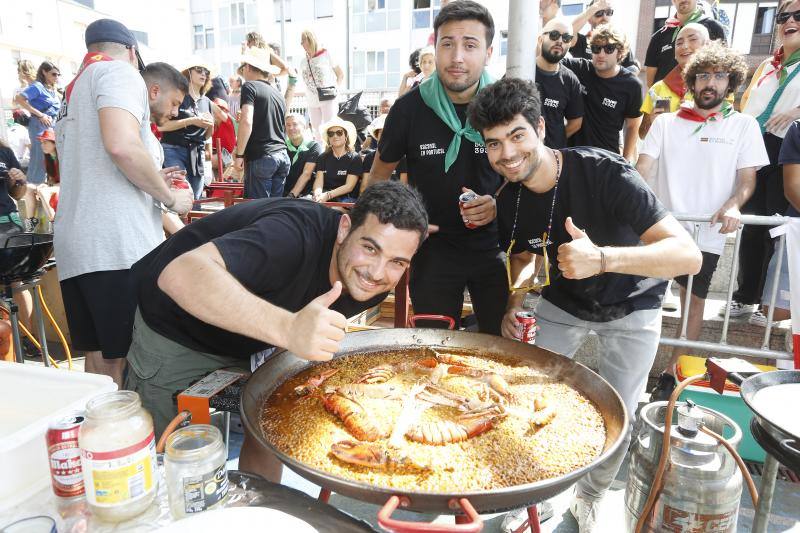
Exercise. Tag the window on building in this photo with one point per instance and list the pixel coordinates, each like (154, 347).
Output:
(375, 15)
(572, 10)
(765, 18)
(209, 37)
(287, 10)
(29, 20)
(238, 17)
(424, 13)
(376, 69)
(503, 43)
(141, 37)
(323, 8)
(199, 37)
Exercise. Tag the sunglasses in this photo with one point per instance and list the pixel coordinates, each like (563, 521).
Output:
(56, 74)
(717, 76)
(201, 70)
(783, 18)
(556, 35)
(335, 133)
(608, 48)
(536, 286)
(604, 13)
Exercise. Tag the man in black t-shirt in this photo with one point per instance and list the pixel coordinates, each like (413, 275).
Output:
(612, 95)
(660, 58)
(601, 278)
(303, 152)
(562, 102)
(598, 12)
(262, 274)
(445, 158)
(261, 139)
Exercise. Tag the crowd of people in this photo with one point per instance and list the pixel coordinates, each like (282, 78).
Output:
(574, 179)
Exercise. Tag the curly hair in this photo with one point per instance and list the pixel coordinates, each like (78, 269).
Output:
(608, 34)
(501, 101)
(392, 203)
(716, 58)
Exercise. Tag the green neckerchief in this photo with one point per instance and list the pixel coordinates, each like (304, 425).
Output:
(435, 97)
(698, 13)
(794, 58)
(296, 150)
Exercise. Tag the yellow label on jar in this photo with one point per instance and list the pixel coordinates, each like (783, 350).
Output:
(120, 476)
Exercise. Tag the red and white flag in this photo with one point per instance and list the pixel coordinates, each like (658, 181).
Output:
(792, 231)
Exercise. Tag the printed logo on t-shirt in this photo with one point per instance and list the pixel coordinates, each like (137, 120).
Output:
(666, 47)
(536, 242)
(608, 102)
(551, 102)
(430, 149)
(480, 149)
(717, 140)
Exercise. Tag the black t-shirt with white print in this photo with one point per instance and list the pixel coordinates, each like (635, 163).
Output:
(608, 199)
(413, 130)
(369, 158)
(607, 103)
(561, 96)
(336, 169)
(661, 50)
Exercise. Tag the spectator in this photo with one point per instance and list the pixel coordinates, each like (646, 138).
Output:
(773, 97)
(46, 194)
(598, 13)
(677, 152)
(320, 71)
(304, 151)
(339, 168)
(668, 94)
(560, 90)
(13, 186)
(549, 10)
(43, 102)
(425, 68)
(107, 216)
(375, 131)
(385, 105)
(446, 157)
(19, 142)
(184, 137)
(225, 133)
(234, 98)
(219, 89)
(660, 58)
(612, 95)
(261, 139)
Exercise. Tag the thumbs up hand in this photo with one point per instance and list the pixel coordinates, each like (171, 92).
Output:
(315, 330)
(580, 258)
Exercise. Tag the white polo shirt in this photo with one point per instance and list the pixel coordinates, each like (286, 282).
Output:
(697, 168)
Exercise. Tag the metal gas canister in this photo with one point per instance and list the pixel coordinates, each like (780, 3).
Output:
(703, 485)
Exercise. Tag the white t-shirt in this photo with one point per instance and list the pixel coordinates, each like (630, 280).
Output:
(104, 222)
(20, 143)
(697, 170)
(763, 90)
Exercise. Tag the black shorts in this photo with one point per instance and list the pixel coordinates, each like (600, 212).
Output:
(100, 307)
(702, 280)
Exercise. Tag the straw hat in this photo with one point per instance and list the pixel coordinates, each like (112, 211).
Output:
(346, 125)
(197, 61)
(260, 59)
(376, 124)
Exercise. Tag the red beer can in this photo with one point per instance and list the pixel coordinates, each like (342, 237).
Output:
(463, 198)
(526, 326)
(180, 183)
(65, 456)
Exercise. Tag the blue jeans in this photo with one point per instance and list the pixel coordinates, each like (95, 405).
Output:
(264, 177)
(36, 173)
(180, 156)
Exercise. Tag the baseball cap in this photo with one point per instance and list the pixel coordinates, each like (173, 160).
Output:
(111, 31)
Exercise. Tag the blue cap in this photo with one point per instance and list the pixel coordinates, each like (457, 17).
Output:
(111, 31)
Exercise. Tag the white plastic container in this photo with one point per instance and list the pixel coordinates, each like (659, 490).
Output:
(30, 397)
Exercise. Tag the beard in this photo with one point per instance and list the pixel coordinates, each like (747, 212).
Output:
(709, 104)
(551, 57)
(459, 86)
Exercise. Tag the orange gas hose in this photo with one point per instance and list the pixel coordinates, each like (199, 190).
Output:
(55, 326)
(751, 486)
(174, 423)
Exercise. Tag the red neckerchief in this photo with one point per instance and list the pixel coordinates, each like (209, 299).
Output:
(88, 59)
(675, 82)
(688, 112)
(779, 64)
(319, 52)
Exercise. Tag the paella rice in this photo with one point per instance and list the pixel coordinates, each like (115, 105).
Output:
(509, 454)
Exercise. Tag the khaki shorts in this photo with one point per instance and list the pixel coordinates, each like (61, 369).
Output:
(160, 368)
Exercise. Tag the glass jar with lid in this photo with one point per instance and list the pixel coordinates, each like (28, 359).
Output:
(118, 453)
(197, 478)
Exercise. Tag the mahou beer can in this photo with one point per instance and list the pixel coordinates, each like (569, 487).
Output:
(526, 326)
(463, 198)
(65, 455)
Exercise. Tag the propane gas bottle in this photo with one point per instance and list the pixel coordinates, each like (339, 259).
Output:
(702, 484)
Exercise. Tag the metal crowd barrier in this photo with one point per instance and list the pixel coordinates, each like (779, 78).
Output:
(722, 346)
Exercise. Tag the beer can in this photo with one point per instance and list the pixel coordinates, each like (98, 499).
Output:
(64, 455)
(463, 198)
(179, 183)
(526, 326)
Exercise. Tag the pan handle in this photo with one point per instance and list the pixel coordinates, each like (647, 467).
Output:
(786, 444)
(412, 320)
(399, 526)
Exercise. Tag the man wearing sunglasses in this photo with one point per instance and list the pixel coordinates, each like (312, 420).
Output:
(598, 12)
(602, 278)
(660, 58)
(706, 138)
(562, 101)
(612, 95)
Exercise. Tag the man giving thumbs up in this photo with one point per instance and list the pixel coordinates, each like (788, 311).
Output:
(603, 236)
(266, 273)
